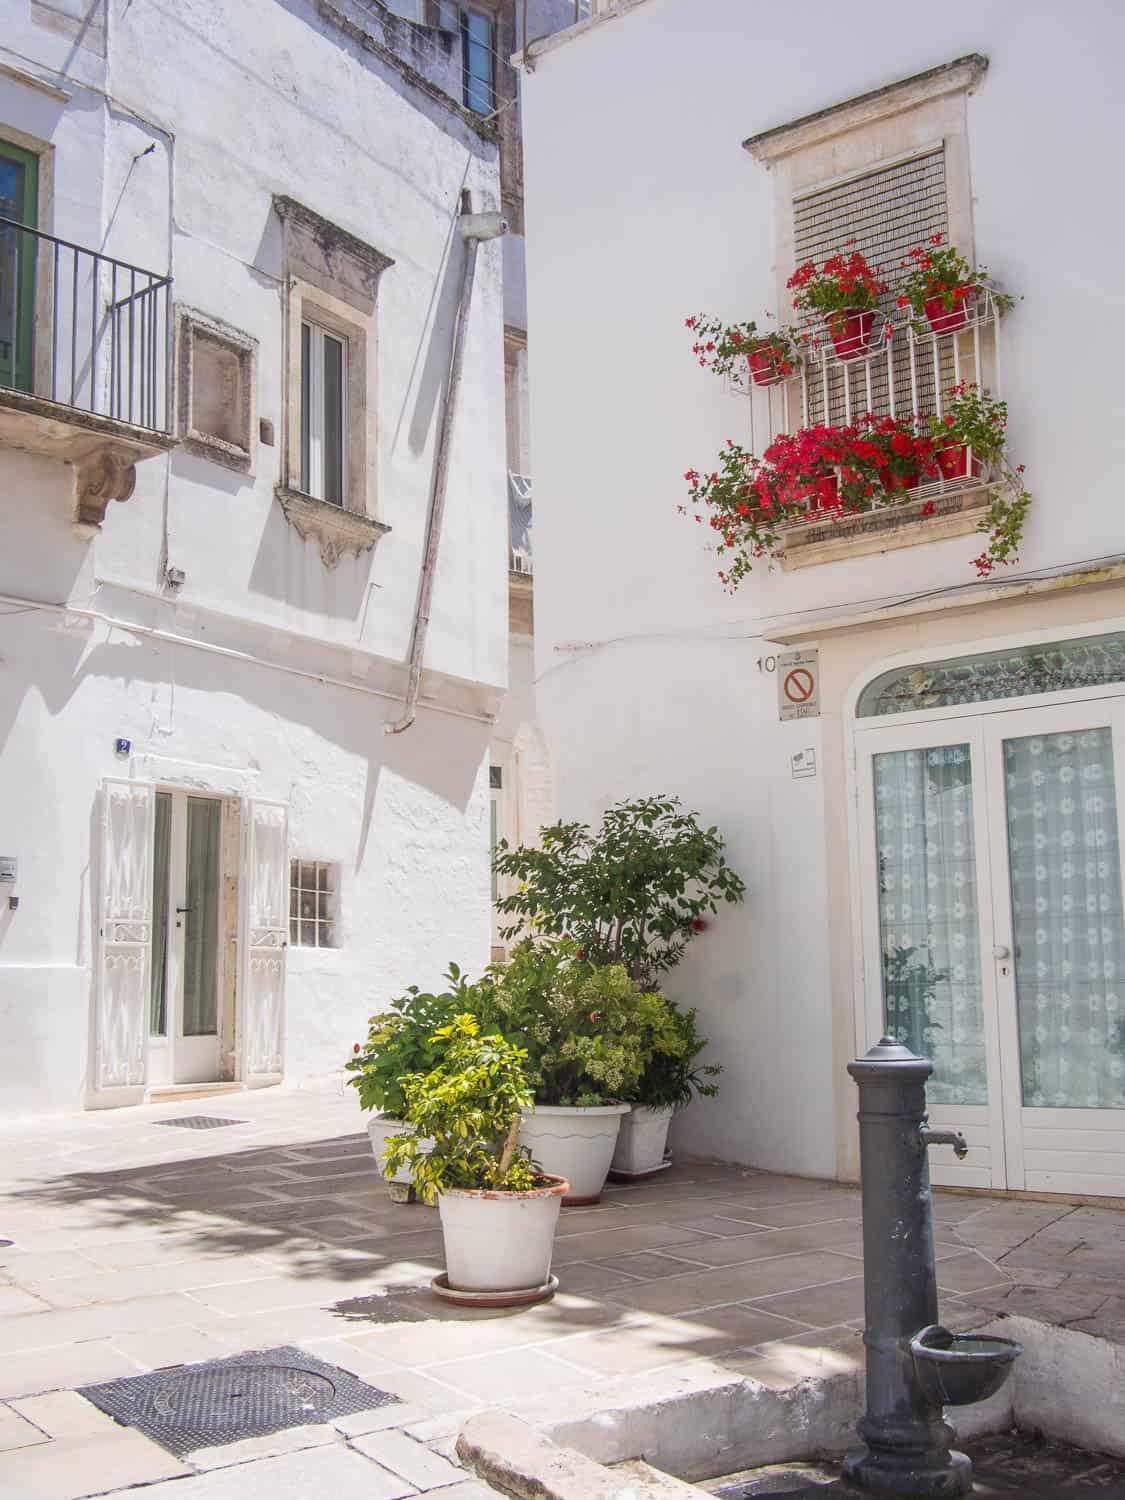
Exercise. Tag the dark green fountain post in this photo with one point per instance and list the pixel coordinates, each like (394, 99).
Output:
(905, 1438)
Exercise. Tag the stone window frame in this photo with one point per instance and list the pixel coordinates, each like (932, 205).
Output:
(331, 278)
(850, 140)
(193, 325)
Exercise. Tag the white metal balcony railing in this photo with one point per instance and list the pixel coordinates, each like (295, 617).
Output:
(905, 373)
(84, 330)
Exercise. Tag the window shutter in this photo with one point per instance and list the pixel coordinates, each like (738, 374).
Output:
(265, 934)
(886, 212)
(125, 933)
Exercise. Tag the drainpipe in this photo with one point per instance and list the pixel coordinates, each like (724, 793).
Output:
(473, 228)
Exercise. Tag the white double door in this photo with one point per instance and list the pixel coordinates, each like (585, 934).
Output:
(993, 933)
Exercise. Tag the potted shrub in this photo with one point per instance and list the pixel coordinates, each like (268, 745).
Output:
(770, 355)
(589, 1030)
(401, 1041)
(845, 292)
(941, 285)
(672, 1075)
(460, 1143)
(904, 454)
(970, 437)
(631, 892)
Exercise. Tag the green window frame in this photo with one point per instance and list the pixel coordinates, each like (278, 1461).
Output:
(17, 266)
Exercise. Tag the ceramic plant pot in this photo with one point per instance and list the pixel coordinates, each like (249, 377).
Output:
(575, 1143)
(944, 319)
(380, 1128)
(850, 331)
(642, 1140)
(953, 461)
(499, 1243)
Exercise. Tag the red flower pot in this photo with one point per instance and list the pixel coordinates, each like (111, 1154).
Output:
(944, 319)
(953, 461)
(824, 494)
(764, 361)
(851, 332)
(895, 483)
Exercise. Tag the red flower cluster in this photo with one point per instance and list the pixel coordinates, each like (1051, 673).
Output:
(845, 282)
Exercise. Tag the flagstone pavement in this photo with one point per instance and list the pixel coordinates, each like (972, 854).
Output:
(137, 1245)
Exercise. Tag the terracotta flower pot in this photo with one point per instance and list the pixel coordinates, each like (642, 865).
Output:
(953, 461)
(825, 493)
(944, 319)
(897, 483)
(850, 330)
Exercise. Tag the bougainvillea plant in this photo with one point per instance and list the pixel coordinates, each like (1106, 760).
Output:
(939, 272)
(975, 421)
(732, 348)
(844, 283)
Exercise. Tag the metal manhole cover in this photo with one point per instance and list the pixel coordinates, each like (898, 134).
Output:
(199, 1122)
(224, 1400)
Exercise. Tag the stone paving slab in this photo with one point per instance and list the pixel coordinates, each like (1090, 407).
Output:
(138, 1247)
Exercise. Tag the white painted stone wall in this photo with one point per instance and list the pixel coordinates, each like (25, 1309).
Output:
(642, 207)
(242, 102)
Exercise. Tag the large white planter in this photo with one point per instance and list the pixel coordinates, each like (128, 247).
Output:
(380, 1128)
(500, 1242)
(575, 1143)
(641, 1142)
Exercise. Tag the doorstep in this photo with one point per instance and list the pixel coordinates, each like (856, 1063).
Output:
(173, 1093)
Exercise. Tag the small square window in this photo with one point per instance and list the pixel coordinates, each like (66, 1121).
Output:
(495, 776)
(313, 910)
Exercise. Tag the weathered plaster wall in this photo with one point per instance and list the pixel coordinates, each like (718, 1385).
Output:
(244, 102)
(642, 207)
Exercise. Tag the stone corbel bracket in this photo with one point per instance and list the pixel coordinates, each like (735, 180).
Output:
(334, 529)
(102, 474)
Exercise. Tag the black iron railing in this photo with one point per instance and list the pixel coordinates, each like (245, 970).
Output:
(83, 329)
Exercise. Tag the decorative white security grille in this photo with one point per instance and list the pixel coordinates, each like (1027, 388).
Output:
(125, 933)
(265, 935)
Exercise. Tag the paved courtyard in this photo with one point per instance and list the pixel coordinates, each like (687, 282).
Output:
(138, 1245)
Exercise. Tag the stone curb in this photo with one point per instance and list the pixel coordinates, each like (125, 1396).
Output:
(513, 1457)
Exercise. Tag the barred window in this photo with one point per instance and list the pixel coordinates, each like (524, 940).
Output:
(313, 895)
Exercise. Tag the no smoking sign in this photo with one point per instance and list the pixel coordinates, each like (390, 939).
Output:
(798, 685)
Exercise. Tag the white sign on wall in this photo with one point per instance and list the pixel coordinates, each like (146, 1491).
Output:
(798, 684)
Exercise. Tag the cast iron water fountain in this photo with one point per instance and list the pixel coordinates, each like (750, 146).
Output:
(914, 1366)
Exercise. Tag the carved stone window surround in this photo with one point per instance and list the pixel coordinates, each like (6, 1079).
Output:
(331, 279)
(197, 333)
(901, 525)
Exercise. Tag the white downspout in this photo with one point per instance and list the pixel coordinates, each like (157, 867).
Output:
(473, 228)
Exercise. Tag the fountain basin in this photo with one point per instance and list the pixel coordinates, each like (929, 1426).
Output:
(958, 1369)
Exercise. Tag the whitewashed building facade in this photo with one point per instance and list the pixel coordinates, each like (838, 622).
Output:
(233, 251)
(940, 834)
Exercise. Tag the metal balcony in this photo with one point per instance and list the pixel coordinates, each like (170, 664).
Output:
(85, 362)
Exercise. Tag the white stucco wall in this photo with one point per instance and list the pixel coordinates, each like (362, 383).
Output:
(643, 207)
(244, 102)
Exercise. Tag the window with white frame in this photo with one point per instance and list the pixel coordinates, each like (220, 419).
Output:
(324, 396)
(313, 903)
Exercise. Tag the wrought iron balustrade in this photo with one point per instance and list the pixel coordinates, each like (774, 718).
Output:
(906, 372)
(83, 329)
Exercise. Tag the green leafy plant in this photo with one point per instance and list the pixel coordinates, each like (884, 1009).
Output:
(463, 1117)
(673, 1073)
(408, 1038)
(588, 1029)
(974, 419)
(939, 272)
(729, 348)
(635, 891)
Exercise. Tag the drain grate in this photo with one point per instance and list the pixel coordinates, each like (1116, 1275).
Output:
(199, 1122)
(247, 1395)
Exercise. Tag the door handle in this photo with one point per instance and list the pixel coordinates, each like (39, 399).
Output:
(1001, 952)
(183, 908)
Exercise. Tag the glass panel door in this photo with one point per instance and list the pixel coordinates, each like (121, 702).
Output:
(924, 846)
(19, 193)
(1063, 984)
(929, 932)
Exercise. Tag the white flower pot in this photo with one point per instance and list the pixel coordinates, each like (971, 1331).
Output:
(574, 1142)
(643, 1137)
(380, 1128)
(499, 1242)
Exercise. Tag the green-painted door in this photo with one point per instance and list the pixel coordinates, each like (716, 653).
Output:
(19, 198)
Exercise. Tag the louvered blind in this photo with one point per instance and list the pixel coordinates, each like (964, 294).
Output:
(886, 212)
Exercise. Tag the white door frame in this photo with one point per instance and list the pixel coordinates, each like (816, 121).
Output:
(952, 724)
